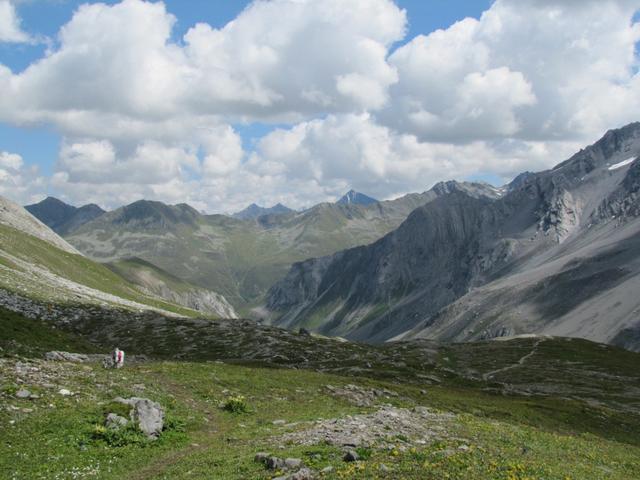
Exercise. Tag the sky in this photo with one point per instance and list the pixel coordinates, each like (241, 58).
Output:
(222, 104)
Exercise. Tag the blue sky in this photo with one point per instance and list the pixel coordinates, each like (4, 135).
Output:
(298, 101)
(40, 146)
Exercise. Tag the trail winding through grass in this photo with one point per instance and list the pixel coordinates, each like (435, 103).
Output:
(519, 363)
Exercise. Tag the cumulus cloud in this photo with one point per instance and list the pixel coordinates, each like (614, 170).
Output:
(532, 69)
(277, 59)
(352, 150)
(12, 161)
(96, 162)
(20, 182)
(10, 29)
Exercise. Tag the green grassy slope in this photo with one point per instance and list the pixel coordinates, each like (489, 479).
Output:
(138, 272)
(28, 337)
(570, 410)
(16, 246)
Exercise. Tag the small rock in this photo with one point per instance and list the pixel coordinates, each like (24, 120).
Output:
(115, 422)
(302, 474)
(326, 470)
(464, 448)
(64, 392)
(383, 468)
(261, 457)
(23, 393)
(274, 463)
(351, 456)
(279, 422)
(292, 463)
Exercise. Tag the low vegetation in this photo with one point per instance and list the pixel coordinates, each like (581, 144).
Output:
(513, 426)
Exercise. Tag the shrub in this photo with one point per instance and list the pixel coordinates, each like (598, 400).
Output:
(121, 437)
(236, 405)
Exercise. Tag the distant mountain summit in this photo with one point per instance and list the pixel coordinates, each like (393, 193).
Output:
(254, 211)
(356, 198)
(61, 217)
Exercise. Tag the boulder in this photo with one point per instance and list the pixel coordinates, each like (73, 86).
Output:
(147, 414)
(22, 393)
(351, 456)
(292, 463)
(274, 463)
(115, 422)
(261, 457)
(302, 474)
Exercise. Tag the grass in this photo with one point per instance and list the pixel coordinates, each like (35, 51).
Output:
(530, 422)
(215, 443)
(26, 337)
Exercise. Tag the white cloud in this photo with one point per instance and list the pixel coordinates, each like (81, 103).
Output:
(10, 29)
(277, 59)
(12, 161)
(347, 151)
(96, 162)
(531, 69)
(19, 182)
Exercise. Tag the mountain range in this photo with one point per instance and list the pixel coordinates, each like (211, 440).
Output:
(242, 259)
(557, 252)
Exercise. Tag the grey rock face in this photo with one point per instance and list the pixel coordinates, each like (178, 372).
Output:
(148, 415)
(57, 356)
(451, 247)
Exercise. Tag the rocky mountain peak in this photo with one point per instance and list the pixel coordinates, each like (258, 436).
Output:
(356, 198)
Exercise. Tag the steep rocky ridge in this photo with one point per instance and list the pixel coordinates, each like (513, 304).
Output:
(453, 246)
